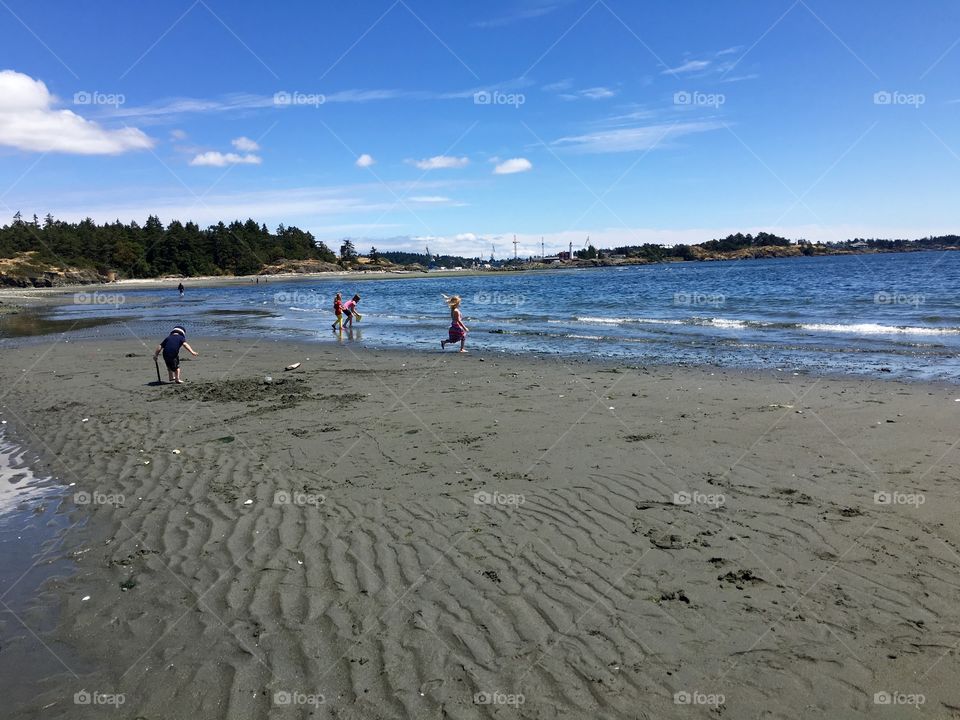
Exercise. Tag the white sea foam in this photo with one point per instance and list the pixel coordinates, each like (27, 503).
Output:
(727, 324)
(875, 329)
(622, 321)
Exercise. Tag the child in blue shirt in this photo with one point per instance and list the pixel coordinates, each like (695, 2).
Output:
(170, 347)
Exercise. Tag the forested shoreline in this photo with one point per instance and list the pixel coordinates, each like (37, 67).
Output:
(129, 250)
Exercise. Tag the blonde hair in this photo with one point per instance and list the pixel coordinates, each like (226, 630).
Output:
(452, 302)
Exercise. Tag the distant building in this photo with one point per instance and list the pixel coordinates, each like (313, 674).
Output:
(563, 256)
(550, 259)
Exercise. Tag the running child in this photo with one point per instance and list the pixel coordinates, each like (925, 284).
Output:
(458, 331)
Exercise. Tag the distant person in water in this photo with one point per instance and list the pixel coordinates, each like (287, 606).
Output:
(180, 289)
(349, 310)
(170, 347)
(338, 311)
(458, 331)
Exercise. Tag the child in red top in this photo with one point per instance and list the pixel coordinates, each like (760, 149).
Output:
(338, 311)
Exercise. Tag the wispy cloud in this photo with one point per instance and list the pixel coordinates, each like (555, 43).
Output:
(315, 208)
(433, 200)
(558, 86)
(442, 162)
(524, 10)
(512, 166)
(284, 100)
(688, 67)
(632, 139)
(565, 91)
(598, 93)
(365, 161)
(739, 78)
(719, 63)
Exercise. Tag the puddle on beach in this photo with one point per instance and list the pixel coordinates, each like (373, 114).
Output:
(32, 528)
(30, 323)
(241, 311)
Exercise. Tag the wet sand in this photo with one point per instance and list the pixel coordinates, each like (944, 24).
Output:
(403, 535)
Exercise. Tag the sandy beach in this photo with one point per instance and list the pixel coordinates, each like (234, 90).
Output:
(39, 295)
(410, 535)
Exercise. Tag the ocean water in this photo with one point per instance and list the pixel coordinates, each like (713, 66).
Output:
(890, 315)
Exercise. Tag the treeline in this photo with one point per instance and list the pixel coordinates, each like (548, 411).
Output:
(739, 241)
(657, 253)
(928, 243)
(444, 261)
(151, 250)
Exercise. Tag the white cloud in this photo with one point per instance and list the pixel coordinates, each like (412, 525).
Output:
(442, 162)
(219, 159)
(365, 161)
(633, 138)
(28, 121)
(514, 165)
(245, 144)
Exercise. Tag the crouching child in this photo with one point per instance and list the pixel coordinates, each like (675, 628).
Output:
(170, 347)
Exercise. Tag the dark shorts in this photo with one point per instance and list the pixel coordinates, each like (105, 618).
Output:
(172, 363)
(456, 334)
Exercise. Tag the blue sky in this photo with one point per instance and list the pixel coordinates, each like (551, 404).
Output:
(410, 122)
